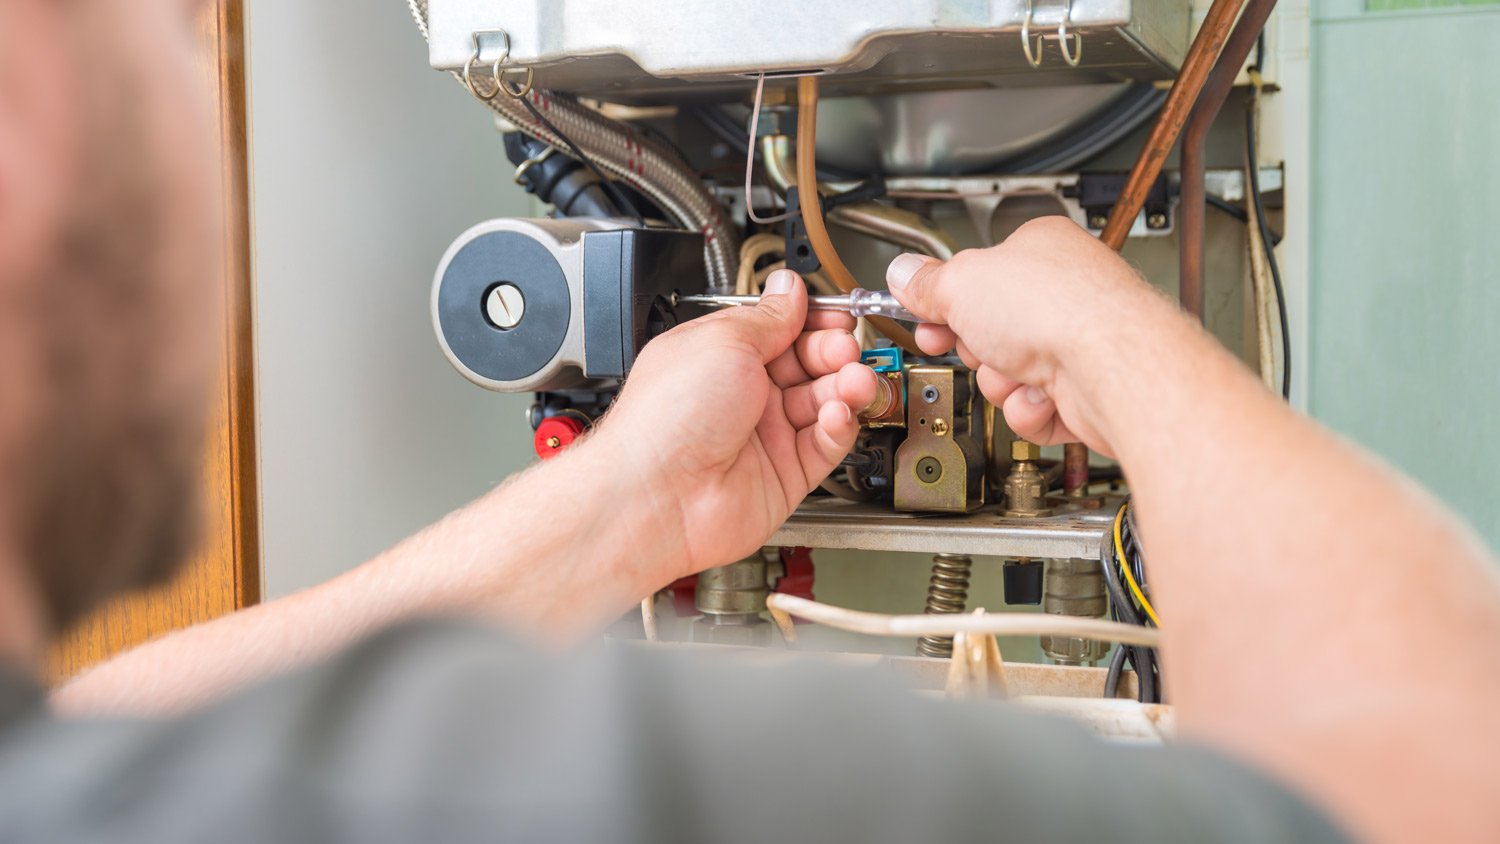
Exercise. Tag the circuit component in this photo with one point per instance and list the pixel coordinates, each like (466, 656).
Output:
(940, 466)
(888, 410)
(531, 304)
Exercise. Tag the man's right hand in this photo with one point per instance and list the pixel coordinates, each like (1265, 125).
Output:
(1020, 313)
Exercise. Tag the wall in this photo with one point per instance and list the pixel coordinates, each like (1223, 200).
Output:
(1404, 288)
(365, 165)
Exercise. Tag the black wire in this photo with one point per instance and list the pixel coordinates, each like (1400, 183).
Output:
(1129, 537)
(1265, 236)
(1146, 677)
(1227, 207)
(736, 137)
(1112, 677)
(1121, 608)
(1144, 661)
(609, 186)
(1236, 212)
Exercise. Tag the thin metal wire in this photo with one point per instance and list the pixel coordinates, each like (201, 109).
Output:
(760, 87)
(1074, 56)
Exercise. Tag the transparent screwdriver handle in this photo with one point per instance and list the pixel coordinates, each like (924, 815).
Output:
(860, 302)
(864, 303)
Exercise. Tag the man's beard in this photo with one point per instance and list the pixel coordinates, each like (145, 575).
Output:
(108, 481)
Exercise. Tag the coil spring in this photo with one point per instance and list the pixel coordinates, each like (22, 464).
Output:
(947, 594)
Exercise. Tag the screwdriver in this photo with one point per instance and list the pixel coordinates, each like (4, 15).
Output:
(859, 302)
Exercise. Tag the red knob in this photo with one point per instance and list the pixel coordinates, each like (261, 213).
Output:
(684, 596)
(800, 573)
(555, 434)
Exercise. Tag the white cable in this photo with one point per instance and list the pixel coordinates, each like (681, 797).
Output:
(783, 606)
(1260, 281)
(648, 617)
(760, 86)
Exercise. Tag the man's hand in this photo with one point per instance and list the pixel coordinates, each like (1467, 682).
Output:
(733, 418)
(1018, 312)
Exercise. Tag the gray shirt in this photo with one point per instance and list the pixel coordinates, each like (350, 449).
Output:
(440, 732)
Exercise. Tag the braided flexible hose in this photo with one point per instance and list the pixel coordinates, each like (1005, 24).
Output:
(639, 161)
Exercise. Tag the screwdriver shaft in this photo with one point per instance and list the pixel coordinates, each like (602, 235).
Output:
(860, 303)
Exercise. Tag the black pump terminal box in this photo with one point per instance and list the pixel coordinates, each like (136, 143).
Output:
(629, 277)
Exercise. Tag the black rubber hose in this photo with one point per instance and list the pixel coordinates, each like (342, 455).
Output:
(1117, 120)
(559, 180)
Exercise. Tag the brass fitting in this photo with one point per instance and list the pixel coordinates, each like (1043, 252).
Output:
(1025, 486)
(886, 410)
(731, 599)
(1074, 588)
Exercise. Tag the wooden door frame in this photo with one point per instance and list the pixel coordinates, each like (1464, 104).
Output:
(226, 574)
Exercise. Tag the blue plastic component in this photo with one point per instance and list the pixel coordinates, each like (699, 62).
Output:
(882, 360)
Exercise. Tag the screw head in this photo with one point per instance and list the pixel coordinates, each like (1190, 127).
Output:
(929, 470)
(504, 305)
(1098, 221)
(939, 427)
(1156, 221)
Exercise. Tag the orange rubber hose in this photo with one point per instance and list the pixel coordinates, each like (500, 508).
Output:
(812, 211)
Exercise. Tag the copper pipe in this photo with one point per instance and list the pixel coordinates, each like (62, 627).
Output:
(1191, 211)
(1075, 469)
(812, 211)
(1200, 60)
(1174, 113)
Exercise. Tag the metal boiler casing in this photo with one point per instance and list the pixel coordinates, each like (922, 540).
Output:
(668, 50)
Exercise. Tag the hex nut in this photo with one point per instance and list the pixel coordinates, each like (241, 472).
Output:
(755, 635)
(1023, 450)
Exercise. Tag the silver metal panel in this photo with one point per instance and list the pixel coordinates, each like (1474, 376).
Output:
(951, 131)
(825, 523)
(662, 50)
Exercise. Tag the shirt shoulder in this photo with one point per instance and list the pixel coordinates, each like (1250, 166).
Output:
(439, 731)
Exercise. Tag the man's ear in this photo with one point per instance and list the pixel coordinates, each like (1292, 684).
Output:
(39, 130)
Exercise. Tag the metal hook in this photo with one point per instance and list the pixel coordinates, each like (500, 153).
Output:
(1035, 60)
(494, 69)
(532, 162)
(512, 90)
(1074, 56)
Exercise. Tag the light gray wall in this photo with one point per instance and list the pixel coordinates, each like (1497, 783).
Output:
(1405, 357)
(365, 165)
